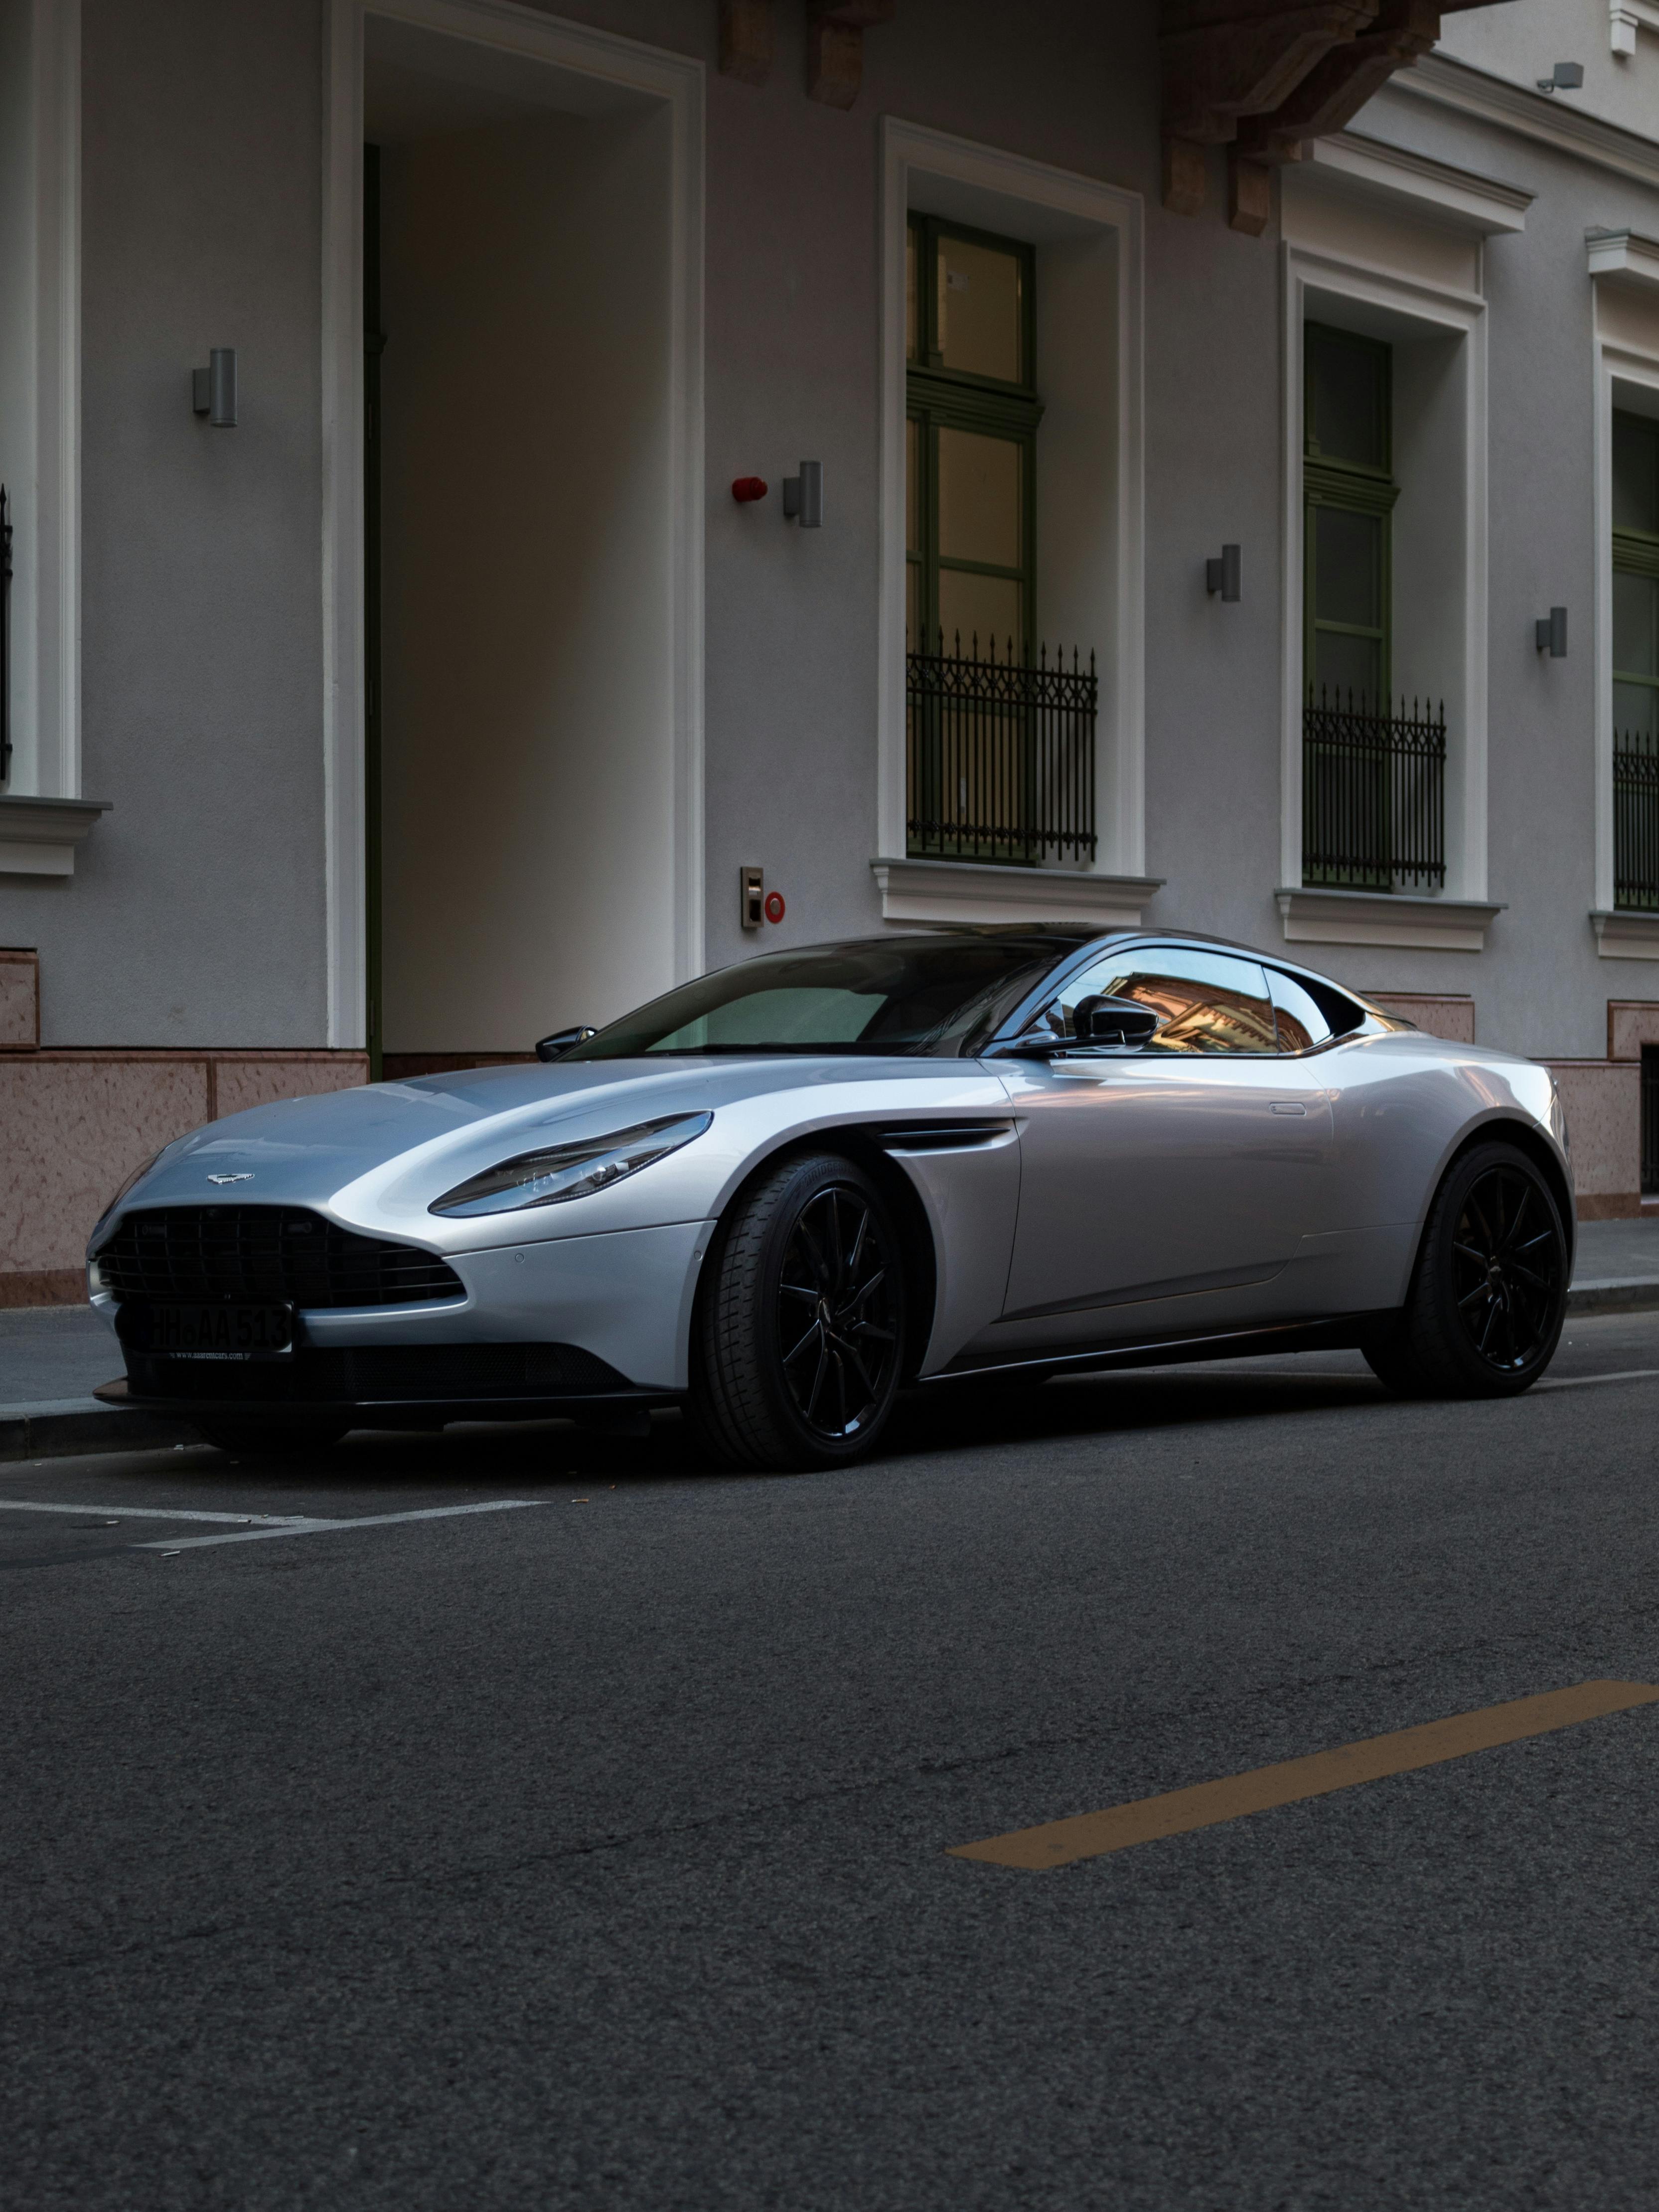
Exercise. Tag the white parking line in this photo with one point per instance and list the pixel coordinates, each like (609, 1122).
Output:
(146, 1512)
(307, 1528)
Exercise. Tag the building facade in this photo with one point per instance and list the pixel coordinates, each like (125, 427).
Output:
(1210, 478)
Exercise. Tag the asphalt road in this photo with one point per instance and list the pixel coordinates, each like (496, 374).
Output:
(592, 1853)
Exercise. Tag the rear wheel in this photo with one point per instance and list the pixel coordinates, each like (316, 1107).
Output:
(260, 1440)
(1489, 1292)
(799, 1343)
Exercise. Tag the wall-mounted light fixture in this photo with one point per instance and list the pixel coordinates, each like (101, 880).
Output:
(1565, 76)
(1226, 576)
(213, 389)
(1550, 632)
(803, 496)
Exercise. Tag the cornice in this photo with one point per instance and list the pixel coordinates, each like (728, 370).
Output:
(1446, 83)
(1377, 170)
(1624, 257)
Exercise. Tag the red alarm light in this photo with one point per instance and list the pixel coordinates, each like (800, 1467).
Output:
(775, 906)
(745, 489)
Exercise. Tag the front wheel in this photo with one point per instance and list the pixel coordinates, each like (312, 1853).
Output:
(1489, 1291)
(799, 1343)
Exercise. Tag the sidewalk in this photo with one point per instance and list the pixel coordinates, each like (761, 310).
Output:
(53, 1358)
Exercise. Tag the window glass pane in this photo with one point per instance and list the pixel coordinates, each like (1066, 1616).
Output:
(981, 480)
(911, 295)
(912, 484)
(1636, 713)
(1635, 624)
(979, 309)
(1299, 1021)
(1347, 566)
(1347, 398)
(985, 607)
(1204, 1001)
(1635, 473)
(1343, 663)
(912, 637)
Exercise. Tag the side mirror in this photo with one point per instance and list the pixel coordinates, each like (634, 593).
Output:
(1102, 1021)
(563, 1041)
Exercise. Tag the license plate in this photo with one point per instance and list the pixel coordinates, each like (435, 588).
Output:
(217, 1332)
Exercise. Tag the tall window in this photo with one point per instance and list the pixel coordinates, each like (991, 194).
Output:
(972, 414)
(1350, 490)
(1636, 578)
(1635, 662)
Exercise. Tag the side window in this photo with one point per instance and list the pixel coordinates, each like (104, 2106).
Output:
(1300, 1022)
(1204, 1001)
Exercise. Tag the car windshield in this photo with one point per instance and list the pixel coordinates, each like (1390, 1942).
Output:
(916, 995)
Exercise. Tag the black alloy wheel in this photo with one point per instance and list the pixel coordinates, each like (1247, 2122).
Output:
(1506, 1265)
(837, 1331)
(798, 1346)
(1488, 1293)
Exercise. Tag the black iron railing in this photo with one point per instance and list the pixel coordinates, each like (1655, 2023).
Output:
(999, 754)
(1636, 820)
(1373, 795)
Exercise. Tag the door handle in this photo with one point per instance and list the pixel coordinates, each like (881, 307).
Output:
(1287, 1106)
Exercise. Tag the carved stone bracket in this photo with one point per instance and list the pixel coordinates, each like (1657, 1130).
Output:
(835, 46)
(748, 36)
(1263, 76)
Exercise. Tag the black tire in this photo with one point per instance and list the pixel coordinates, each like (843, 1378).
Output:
(1489, 1291)
(254, 1439)
(798, 1345)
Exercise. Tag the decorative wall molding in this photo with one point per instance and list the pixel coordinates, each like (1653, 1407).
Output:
(835, 46)
(677, 79)
(1512, 107)
(1626, 18)
(1623, 257)
(1434, 924)
(748, 39)
(37, 836)
(941, 893)
(1412, 183)
(1621, 935)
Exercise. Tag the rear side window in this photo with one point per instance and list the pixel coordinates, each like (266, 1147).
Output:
(1206, 1002)
(1308, 1013)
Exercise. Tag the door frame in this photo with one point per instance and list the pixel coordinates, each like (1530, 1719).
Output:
(677, 79)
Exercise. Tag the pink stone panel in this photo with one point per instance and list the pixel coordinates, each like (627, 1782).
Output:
(1602, 1101)
(261, 1080)
(1442, 1014)
(1631, 1023)
(19, 1001)
(75, 1129)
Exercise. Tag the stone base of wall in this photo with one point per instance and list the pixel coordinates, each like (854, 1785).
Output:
(1439, 1013)
(1602, 1101)
(78, 1122)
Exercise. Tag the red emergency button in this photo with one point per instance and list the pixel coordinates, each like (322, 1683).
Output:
(775, 906)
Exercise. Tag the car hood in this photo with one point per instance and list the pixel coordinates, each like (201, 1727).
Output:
(376, 1157)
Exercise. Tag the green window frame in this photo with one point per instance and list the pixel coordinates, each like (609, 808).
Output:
(1636, 556)
(940, 401)
(1353, 478)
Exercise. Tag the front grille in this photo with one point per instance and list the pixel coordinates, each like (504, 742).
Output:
(273, 1252)
(356, 1374)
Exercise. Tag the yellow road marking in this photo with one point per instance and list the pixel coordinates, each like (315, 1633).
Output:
(1090, 1835)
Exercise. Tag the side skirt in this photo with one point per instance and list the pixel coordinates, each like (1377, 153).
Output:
(1344, 1333)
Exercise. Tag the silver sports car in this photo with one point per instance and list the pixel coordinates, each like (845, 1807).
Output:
(783, 1194)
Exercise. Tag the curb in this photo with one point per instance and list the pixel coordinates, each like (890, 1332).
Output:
(56, 1427)
(1631, 1294)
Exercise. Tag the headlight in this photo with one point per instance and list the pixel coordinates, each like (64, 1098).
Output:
(562, 1171)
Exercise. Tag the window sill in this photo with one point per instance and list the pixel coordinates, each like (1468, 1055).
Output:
(1625, 935)
(37, 836)
(1337, 917)
(943, 893)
